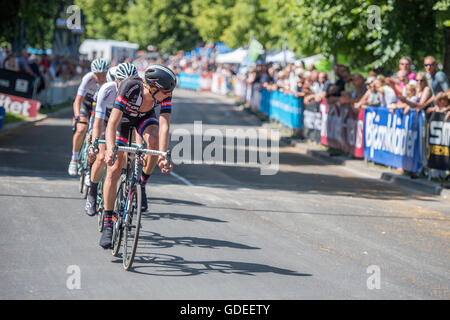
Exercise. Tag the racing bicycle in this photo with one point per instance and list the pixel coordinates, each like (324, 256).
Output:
(127, 208)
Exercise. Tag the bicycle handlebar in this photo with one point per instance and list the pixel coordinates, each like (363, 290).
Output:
(140, 150)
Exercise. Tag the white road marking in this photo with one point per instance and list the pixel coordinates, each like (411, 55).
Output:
(184, 180)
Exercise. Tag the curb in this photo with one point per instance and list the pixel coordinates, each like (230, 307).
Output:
(8, 128)
(420, 185)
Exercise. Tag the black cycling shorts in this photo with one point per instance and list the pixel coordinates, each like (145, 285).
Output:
(86, 107)
(140, 123)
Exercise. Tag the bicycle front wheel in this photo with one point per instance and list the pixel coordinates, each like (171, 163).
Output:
(119, 206)
(131, 227)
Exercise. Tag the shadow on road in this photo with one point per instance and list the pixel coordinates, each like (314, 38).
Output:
(156, 264)
(148, 239)
(177, 216)
(238, 177)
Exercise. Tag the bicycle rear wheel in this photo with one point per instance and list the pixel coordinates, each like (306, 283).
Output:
(100, 208)
(119, 207)
(131, 227)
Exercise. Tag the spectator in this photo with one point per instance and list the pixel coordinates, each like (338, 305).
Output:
(314, 77)
(22, 62)
(267, 78)
(423, 94)
(322, 88)
(410, 91)
(441, 103)
(306, 91)
(403, 81)
(283, 80)
(372, 97)
(3, 55)
(387, 91)
(359, 90)
(405, 64)
(343, 74)
(10, 63)
(439, 81)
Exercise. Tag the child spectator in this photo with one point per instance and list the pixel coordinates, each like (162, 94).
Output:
(410, 96)
(441, 103)
(372, 97)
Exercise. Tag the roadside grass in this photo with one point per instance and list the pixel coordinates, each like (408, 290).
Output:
(50, 109)
(13, 117)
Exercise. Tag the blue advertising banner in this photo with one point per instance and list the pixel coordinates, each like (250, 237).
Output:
(285, 108)
(393, 139)
(2, 116)
(264, 105)
(189, 81)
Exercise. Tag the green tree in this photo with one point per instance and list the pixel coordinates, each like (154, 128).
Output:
(166, 25)
(230, 21)
(370, 34)
(105, 19)
(28, 22)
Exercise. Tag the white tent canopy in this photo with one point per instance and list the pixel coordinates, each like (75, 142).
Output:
(237, 56)
(281, 56)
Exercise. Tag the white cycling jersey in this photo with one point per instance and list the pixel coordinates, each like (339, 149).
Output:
(88, 85)
(105, 99)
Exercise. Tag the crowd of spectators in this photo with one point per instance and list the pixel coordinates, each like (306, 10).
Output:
(405, 90)
(42, 67)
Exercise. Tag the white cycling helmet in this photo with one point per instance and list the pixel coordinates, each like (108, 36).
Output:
(99, 66)
(125, 70)
(111, 75)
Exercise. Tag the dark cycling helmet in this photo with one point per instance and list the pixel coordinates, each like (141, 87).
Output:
(161, 77)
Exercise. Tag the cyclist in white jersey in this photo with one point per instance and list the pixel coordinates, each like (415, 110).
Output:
(105, 103)
(82, 107)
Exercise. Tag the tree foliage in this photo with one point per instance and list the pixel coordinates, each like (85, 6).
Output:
(368, 33)
(28, 22)
(166, 24)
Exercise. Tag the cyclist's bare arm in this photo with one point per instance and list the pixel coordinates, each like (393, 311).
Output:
(110, 133)
(164, 126)
(77, 105)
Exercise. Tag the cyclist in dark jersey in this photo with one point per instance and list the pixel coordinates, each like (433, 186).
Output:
(134, 108)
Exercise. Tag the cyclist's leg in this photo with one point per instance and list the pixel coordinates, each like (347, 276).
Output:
(110, 183)
(96, 175)
(109, 197)
(80, 132)
(149, 131)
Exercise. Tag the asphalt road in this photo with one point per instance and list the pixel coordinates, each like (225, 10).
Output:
(218, 229)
